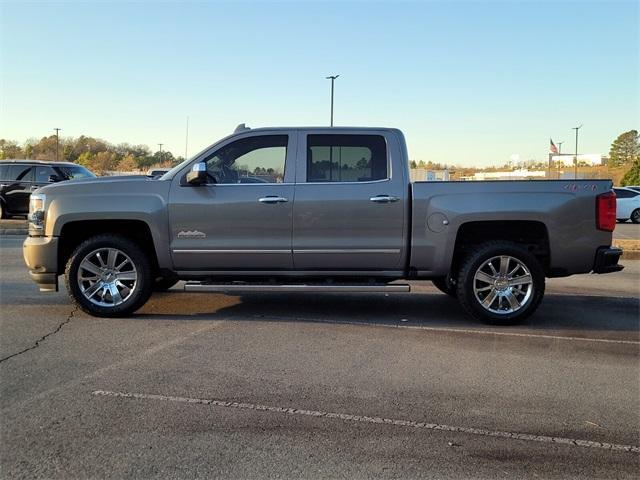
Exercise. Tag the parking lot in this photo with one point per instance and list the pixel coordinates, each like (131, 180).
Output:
(307, 385)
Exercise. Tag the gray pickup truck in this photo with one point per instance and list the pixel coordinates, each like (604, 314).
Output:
(321, 210)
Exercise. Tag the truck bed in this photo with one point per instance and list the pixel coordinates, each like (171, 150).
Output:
(565, 208)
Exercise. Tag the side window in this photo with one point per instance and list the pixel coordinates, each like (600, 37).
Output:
(43, 174)
(620, 193)
(257, 159)
(4, 172)
(346, 158)
(21, 173)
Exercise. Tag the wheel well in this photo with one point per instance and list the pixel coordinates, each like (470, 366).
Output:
(74, 233)
(530, 234)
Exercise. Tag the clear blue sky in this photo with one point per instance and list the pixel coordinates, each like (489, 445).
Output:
(467, 82)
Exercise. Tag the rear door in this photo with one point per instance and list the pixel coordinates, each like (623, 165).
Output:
(17, 188)
(350, 208)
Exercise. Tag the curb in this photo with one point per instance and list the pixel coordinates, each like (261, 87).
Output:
(13, 231)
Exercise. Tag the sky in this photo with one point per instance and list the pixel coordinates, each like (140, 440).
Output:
(469, 83)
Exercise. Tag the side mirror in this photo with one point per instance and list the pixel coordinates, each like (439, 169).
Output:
(198, 174)
(54, 178)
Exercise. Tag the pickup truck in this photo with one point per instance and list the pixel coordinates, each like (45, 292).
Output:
(318, 210)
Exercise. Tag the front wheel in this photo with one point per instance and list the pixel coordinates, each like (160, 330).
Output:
(109, 276)
(635, 216)
(501, 283)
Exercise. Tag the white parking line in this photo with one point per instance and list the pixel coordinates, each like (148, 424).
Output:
(449, 330)
(375, 420)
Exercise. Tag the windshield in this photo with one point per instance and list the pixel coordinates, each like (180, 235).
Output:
(74, 172)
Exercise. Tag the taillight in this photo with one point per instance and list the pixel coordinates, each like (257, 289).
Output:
(606, 211)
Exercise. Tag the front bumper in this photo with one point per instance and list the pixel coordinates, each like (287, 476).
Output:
(41, 256)
(607, 260)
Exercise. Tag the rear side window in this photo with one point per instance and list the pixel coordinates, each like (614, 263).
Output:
(621, 193)
(346, 158)
(21, 173)
(4, 172)
(43, 174)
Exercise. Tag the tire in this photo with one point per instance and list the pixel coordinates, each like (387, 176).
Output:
(635, 216)
(162, 284)
(496, 287)
(120, 285)
(2, 214)
(445, 285)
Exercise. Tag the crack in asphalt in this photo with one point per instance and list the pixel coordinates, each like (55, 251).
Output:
(43, 338)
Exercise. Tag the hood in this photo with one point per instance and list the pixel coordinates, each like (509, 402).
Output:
(115, 184)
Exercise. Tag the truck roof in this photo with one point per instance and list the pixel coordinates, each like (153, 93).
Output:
(243, 128)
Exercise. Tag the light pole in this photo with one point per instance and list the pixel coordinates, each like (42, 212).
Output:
(333, 79)
(160, 145)
(186, 140)
(57, 141)
(560, 155)
(575, 166)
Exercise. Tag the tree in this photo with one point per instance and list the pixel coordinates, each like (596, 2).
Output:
(128, 163)
(10, 149)
(102, 162)
(632, 177)
(625, 149)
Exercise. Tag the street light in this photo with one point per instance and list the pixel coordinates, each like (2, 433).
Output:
(333, 79)
(57, 141)
(160, 145)
(575, 166)
(560, 155)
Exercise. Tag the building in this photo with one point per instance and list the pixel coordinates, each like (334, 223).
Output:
(590, 159)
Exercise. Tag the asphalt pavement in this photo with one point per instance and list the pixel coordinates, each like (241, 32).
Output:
(317, 386)
(627, 231)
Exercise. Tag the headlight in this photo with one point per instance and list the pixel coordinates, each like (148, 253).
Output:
(36, 213)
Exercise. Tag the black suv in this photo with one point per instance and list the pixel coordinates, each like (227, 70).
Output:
(18, 178)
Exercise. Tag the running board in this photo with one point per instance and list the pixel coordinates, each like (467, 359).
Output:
(297, 287)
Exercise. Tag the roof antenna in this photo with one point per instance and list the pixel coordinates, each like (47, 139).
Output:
(241, 128)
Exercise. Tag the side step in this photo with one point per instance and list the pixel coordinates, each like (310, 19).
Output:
(297, 287)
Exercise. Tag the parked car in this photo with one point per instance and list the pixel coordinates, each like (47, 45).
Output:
(634, 187)
(18, 178)
(157, 172)
(628, 204)
(336, 213)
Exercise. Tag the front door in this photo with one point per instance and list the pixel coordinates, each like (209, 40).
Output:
(349, 212)
(242, 219)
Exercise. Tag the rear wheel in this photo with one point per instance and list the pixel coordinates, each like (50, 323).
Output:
(501, 283)
(109, 276)
(635, 216)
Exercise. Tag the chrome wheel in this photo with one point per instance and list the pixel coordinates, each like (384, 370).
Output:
(502, 285)
(107, 277)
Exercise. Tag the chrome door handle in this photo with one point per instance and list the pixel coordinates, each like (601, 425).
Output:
(33, 187)
(384, 199)
(272, 199)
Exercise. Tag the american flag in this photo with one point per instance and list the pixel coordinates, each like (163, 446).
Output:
(552, 147)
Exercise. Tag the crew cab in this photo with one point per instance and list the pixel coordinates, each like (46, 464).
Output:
(326, 209)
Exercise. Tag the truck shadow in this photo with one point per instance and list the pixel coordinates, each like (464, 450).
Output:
(557, 312)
